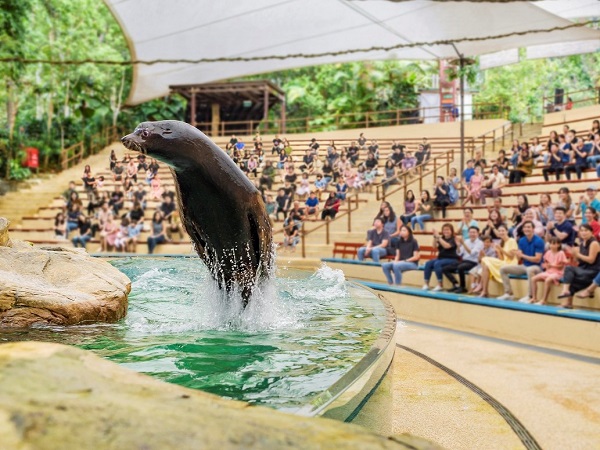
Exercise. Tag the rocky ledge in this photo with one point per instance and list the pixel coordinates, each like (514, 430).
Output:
(54, 396)
(58, 286)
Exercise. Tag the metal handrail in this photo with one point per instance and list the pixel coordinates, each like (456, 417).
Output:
(78, 150)
(594, 98)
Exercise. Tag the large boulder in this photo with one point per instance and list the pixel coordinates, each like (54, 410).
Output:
(59, 286)
(54, 396)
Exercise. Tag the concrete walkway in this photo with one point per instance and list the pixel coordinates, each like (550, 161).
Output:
(554, 395)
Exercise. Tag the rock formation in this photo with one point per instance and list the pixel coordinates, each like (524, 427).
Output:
(54, 285)
(54, 396)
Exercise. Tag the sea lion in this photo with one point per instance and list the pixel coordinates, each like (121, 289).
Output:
(222, 211)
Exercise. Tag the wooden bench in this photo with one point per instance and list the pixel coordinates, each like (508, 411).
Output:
(350, 249)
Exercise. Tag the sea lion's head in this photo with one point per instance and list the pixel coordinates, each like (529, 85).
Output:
(164, 140)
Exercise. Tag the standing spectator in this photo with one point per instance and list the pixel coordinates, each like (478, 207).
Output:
(377, 242)
(554, 264)
(158, 231)
(469, 250)
(492, 187)
(331, 207)
(406, 250)
(588, 256)
(424, 211)
(530, 251)
(507, 255)
(446, 245)
(112, 160)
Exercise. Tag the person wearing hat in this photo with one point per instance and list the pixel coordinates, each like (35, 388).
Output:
(588, 200)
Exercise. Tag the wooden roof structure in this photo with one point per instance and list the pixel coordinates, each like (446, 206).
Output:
(218, 104)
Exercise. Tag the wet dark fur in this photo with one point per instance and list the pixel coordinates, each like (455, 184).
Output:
(222, 211)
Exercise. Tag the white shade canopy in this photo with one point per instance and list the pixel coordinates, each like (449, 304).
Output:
(201, 29)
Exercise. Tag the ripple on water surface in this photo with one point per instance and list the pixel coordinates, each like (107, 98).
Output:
(299, 335)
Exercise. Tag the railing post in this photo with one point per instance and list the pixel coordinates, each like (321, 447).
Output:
(503, 134)
(349, 216)
(420, 178)
(327, 232)
(367, 120)
(494, 142)
(303, 241)
(512, 132)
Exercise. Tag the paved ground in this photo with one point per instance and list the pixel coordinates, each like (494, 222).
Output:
(554, 395)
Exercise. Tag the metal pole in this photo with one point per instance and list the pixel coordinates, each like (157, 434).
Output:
(462, 114)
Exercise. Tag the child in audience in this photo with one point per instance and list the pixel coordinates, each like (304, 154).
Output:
(304, 188)
(341, 189)
(475, 272)
(474, 187)
(554, 264)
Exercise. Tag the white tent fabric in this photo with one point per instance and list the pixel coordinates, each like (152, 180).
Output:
(198, 29)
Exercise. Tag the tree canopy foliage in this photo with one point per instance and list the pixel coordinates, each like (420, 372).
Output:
(53, 106)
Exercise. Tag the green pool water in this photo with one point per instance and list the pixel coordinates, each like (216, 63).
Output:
(299, 335)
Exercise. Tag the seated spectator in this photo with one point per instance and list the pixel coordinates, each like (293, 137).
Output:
(468, 173)
(556, 163)
(73, 216)
(519, 211)
(314, 147)
(158, 232)
(515, 152)
(277, 145)
(369, 177)
(479, 161)
(409, 164)
(371, 162)
(389, 175)
(60, 226)
(74, 200)
(152, 171)
(588, 256)
(447, 254)
(352, 153)
(108, 234)
(118, 172)
(89, 184)
(554, 264)
(377, 242)
(312, 205)
(136, 215)
(308, 161)
(586, 201)
(507, 256)
(231, 144)
(538, 228)
(85, 232)
(487, 250)
(252, 166)
(565, 201)
(561, 228)
(128, 188)
(523, 168)
(140, 196)
(331, 207)
(320, 185)
(594, 154)
(579, 161)
(268, 175)
(409, 207)
(72, 188)
(530, 251)
(468, 250)
(291, 236)
(271, 208)
(591, 217)
(373, 149)
(341, 189)
(175, 226)
(283, 203)
(474, 187)
(156, 190)
(420, 155)
(492, 224)
(142, 164)
(502, 162)
(442, 196)
(304, 187)
(545, 209)
(117, 200)
(424, 208)
(466, 224)
(122, 236)
(397, 154)
(453, 186)
(132, 170)
(167, 208)
(362, 141)
(537, 149)
(406, 251)
(296, 214)
(492, 186)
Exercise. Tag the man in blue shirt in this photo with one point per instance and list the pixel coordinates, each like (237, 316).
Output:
(587, 200)
(561, 227)
(531, 251)
(312, 203)
(468, 172)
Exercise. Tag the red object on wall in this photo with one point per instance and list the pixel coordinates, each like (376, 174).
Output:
(33, 157)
